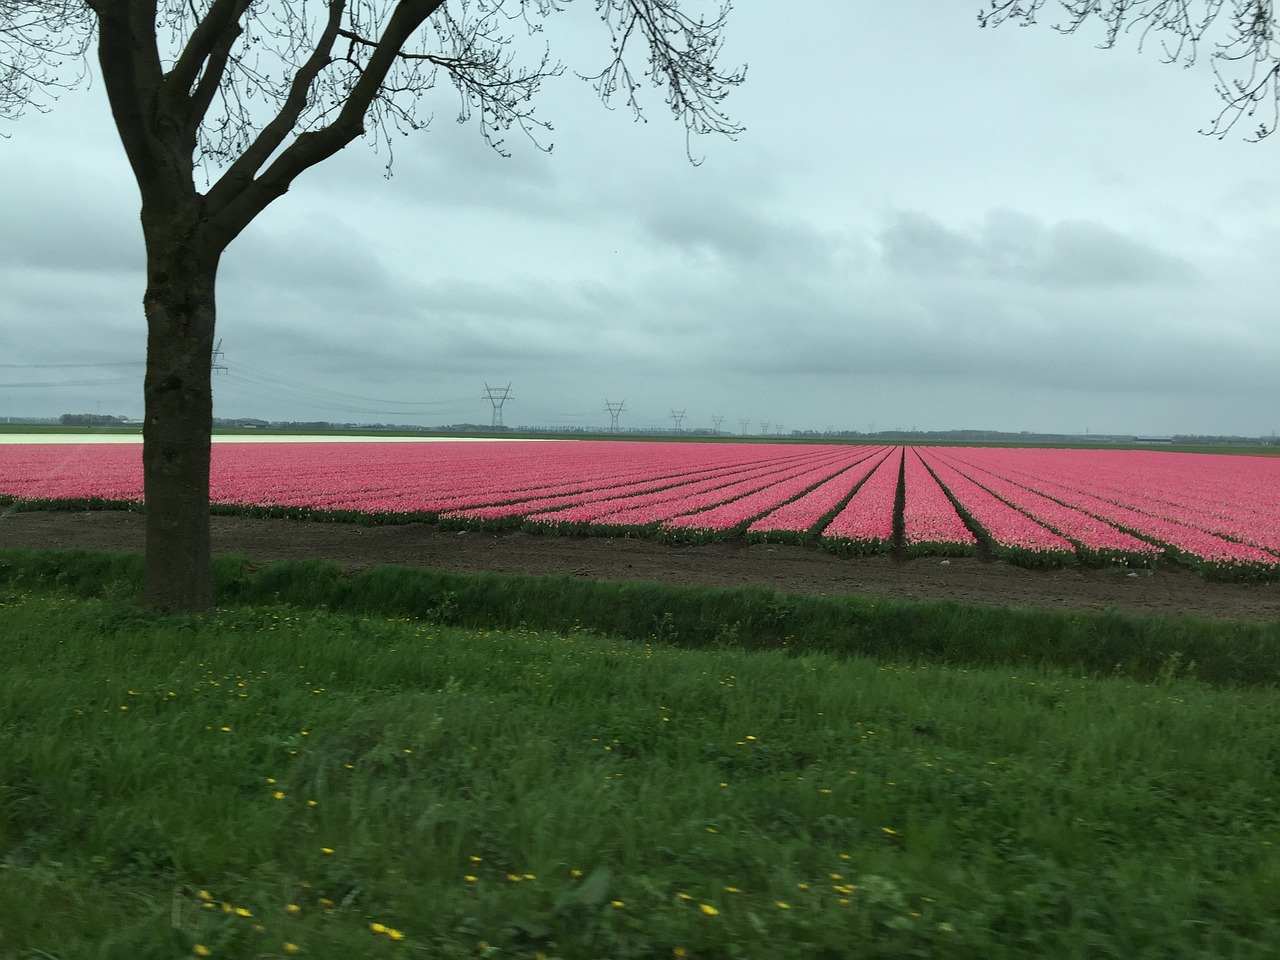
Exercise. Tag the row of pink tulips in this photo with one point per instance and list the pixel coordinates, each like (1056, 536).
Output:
(1012, 533)
(1090, 535)
(795, 520)
(739, 513)
(865, 523)
(930, 523)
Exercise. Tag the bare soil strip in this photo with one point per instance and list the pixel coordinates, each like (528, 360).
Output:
(1169, 590)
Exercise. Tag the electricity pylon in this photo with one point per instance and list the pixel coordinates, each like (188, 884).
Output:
(497, 396)
(615, 411)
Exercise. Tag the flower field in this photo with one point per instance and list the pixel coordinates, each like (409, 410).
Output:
(1220, 514)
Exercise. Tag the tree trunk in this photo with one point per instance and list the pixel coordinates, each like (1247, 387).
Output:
(179, 307)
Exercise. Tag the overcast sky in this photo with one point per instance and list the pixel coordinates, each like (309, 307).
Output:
(925, 225)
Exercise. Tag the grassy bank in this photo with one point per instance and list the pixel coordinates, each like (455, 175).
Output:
(1214, 651)
(365, 787)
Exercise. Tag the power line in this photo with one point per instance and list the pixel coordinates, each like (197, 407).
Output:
(678, 417)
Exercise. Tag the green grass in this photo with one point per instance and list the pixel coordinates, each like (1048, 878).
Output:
(972, 813)
(1111, 643)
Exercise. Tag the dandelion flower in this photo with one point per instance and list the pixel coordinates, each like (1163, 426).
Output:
(293, 908)
(684, 896)
(575, 873)
(279, 794)
(326, 903)
(732, 890)
(327, 851)
(889, 832)
(782, 905)
(243, 912)
(377, 928)
(470, 878)
(290, 948)
(474, 859)
(708, 910)
(270, 780)
(313, 803)
(843, 901)
(617, 904)
(205, 895)
(200, 950)
(679, 952)
(395, 934)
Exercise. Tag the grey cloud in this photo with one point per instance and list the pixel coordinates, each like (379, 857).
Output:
(1013, 246)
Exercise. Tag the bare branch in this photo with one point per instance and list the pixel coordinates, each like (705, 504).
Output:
(312, 147)
(218, 27)
(243, 170)
(682, 54)
(38, 38)
(1245, 61)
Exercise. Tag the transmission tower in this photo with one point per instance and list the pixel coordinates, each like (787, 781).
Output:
(677, 417)
(744, 424)
(497, 396)
(615, 411)
(764, 427)
(777, 429)
(218, 357)
(716, 420)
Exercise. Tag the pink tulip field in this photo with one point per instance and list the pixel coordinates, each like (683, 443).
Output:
(1218, 513)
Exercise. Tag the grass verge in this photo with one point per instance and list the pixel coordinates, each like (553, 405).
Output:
(1109, 643)
(265, 781)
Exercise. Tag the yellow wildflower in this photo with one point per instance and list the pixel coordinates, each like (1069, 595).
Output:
(290, 948)
(200, 950)
(708, 910)
(327, 851)
(782, 905)
(470, 878)
(293, 908)
(279, 794)
(242, 912)
(617, 904)
(377, 928)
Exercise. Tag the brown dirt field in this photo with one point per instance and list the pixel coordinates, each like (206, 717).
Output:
(795, 569)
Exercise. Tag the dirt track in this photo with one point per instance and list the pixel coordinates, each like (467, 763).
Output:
(790, 568)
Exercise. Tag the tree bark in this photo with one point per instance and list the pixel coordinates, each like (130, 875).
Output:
(178, 394)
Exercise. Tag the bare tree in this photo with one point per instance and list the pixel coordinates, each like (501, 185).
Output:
(1243, 53)
(245, 95)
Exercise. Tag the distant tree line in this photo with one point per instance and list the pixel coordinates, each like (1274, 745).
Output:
(91, 420)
